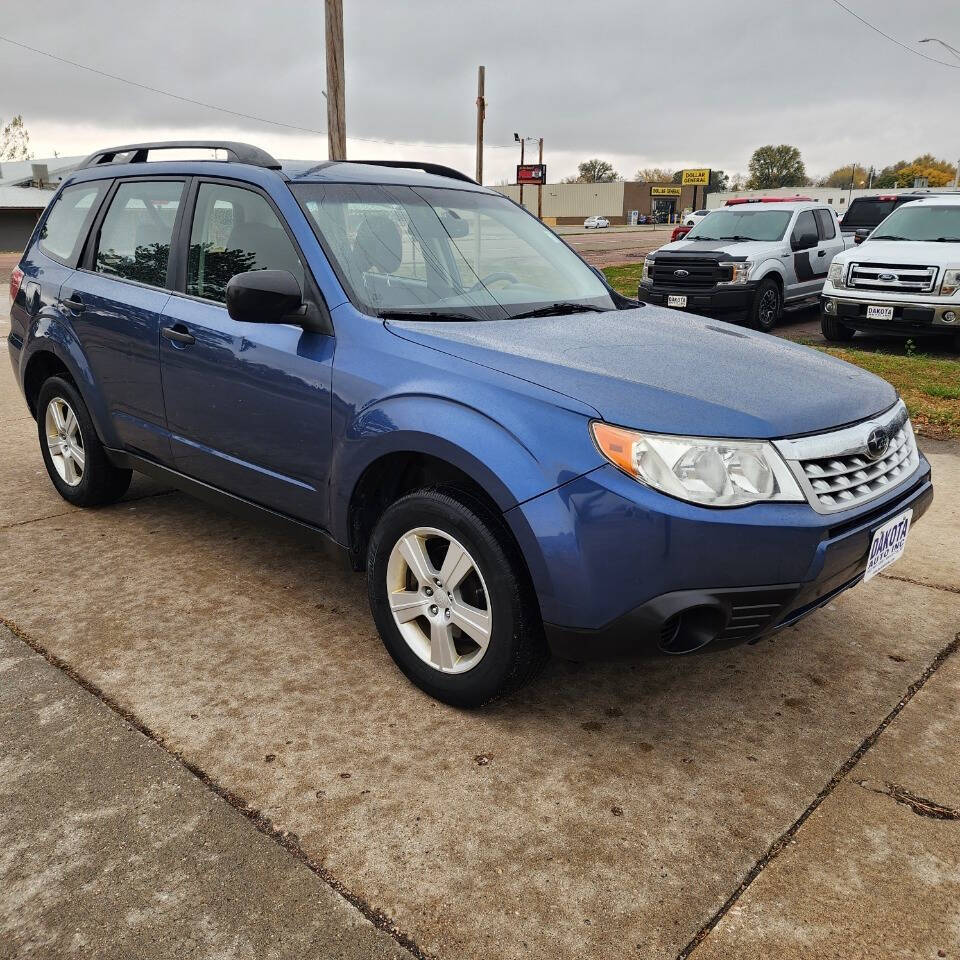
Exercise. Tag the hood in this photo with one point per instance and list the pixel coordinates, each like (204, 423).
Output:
(669, 372)
(744, 250)
(914, 252)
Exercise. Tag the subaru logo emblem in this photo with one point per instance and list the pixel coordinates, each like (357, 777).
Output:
(681, 273)
(887, 277)
(877, 443)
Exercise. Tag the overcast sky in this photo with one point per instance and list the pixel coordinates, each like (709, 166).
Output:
(697, 83)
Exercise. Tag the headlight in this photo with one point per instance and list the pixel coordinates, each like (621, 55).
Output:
(739, 272)
(717, 473)
(950, 283)
(646, 277)
(836, 274)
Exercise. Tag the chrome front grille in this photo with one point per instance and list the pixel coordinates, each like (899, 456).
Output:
(849, 467)
(904, 277)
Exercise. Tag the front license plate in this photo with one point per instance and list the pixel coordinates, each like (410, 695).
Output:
(879, 313)
(676, 301)
(888, 543)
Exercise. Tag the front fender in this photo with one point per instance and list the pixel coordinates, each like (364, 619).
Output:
(766, 268)
(48, 333)
(503, 460)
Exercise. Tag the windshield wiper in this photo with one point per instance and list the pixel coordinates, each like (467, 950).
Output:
(887, 236)
(556, 309)
(424, 315)
(688, 237)
(947, 240)
(740, 237)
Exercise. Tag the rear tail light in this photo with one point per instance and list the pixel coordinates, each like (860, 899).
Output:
(16, 278)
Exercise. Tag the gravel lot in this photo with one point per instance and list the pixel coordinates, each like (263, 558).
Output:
(205, 750)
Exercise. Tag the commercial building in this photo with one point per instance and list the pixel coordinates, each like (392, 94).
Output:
(623, 201)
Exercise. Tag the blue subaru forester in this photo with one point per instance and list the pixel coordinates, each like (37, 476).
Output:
(415, 369)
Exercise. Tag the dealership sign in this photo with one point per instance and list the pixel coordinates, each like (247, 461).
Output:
(664, 191)
(531, 173)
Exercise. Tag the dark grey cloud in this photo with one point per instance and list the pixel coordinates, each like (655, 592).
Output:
(668, 82)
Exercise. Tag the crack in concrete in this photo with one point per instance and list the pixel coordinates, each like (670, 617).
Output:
(286, 839)
(921, 806)
(68, 513)
(919, 583)
(787, 837)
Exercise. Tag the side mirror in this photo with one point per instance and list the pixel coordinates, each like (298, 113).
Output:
(860, 235)
(803, 241)
(264, 296)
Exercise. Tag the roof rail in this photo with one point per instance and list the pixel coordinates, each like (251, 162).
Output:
(237, 152)
(437, 169)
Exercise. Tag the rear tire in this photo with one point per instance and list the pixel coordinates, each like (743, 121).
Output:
(835, 331)
(72, 453)
(418, 605)
(767, 306)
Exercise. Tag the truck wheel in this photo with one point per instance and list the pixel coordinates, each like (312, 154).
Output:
(71, 450)
(452, 600)
(835, 331)
(767, 306)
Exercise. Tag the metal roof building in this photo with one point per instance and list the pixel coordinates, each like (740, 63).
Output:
(26, 187)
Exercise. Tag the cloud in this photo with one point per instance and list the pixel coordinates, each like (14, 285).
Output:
(637, 83)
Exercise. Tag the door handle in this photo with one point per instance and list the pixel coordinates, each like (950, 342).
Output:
(76, 305)
(178, 335)
(821, 253)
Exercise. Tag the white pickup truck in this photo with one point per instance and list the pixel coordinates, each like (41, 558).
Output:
(747, 260)
(904, 278)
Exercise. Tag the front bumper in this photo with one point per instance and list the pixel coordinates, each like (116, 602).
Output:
(729, 302)
(908, 318)
(627, 571)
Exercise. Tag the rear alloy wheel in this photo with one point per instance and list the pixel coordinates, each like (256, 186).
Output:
(451, 598)
(72, 453)
(767, 306)
(835, 331)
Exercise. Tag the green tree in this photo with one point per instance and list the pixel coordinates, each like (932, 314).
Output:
(14, 140)
(594, 171)
(776, 166)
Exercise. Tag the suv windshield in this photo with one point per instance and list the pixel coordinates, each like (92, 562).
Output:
(445, 253)
(921, 223)
(742, 225)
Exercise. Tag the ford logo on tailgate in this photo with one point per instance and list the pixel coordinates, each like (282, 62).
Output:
(681, 273)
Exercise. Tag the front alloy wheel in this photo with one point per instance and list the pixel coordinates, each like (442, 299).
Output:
(438, 600)
(451, 597)
(767, 306)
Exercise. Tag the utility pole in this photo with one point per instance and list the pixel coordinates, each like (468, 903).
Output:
(853, 173)
(481, 115)
(540, 186)
(522, 141)
(336, 111)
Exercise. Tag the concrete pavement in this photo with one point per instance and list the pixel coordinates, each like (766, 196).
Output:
(609, 810)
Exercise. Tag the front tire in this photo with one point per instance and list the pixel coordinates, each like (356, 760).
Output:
(451, 598)
(767, 306)
(72, 453)
(835, 331)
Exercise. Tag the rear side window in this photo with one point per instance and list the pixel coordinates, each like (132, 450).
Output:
(66, 226)
(866, 213)
(134, 241)
(825, 222)
(235, 230)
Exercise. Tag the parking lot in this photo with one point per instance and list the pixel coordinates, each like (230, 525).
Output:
(204, 741)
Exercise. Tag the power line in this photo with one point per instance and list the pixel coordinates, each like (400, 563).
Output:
(211, 106)
(899, 43)
(165, 93)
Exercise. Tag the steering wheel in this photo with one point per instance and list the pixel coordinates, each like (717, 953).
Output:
(493, 278)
